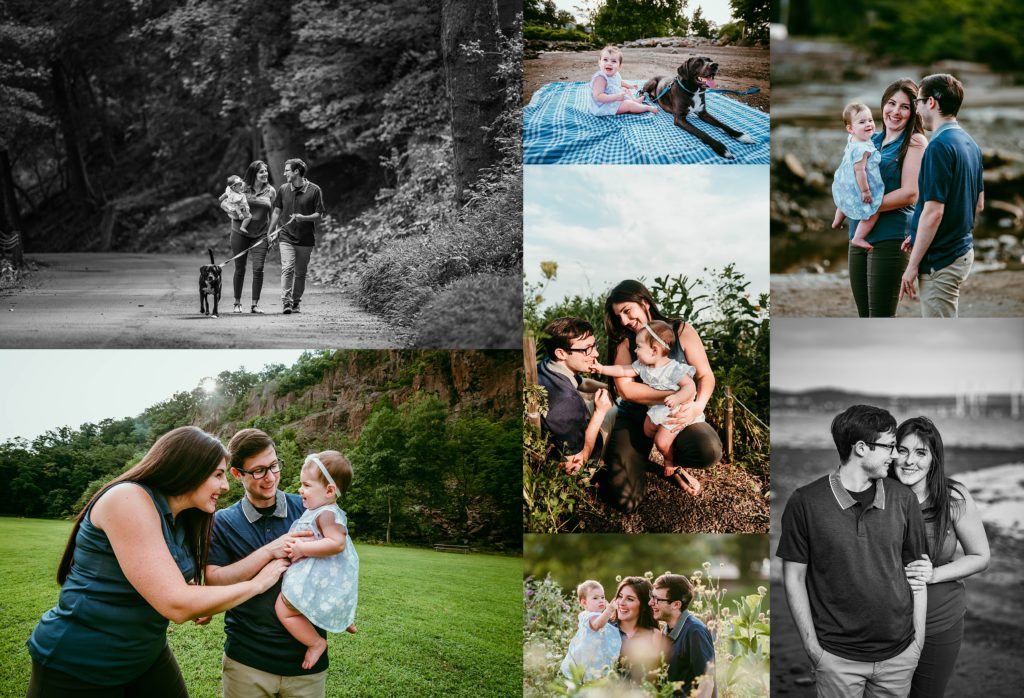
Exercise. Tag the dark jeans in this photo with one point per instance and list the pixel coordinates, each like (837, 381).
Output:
(937, 661)
(161, 680)
(875, 278)
(622, 481)
(259, 256)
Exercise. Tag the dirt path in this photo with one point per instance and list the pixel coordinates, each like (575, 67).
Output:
(79, 300)
(739, 68)
(989, 294)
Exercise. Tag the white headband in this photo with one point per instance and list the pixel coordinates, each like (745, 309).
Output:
(657, 339)
(312, 457)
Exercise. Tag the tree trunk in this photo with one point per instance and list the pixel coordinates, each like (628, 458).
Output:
(475, 98)
(387, 534)
(10, 220)
(283, 140)
(78, 178)
(507, 12)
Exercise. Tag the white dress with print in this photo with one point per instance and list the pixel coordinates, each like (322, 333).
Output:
(324, 589)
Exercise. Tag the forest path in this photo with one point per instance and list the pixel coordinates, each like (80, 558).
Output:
(109, 300)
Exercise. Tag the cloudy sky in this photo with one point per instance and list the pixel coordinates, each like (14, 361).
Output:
(715, 10)
(901, 357)
(603, 224)
(52, 388)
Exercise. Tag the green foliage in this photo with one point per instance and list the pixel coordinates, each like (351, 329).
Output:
(753, 16)
(308, 370)
(536, 33)
(700, 25)
(617, 21)
(480, 311)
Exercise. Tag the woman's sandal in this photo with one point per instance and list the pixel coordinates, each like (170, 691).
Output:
(688, 483)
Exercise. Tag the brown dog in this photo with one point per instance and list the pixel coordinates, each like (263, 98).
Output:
(684, 93)
(209, 285)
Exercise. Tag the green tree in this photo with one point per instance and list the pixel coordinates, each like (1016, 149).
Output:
(617, 21)
(756, 14)
(700, 26)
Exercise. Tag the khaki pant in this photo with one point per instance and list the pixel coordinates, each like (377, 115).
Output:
(940, 290)
(836, 677)
(241, 681)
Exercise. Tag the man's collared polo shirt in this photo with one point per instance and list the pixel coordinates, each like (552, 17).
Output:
(861, 602)
(255, 637)
(306, 200)
(567, 418)
(691, 650)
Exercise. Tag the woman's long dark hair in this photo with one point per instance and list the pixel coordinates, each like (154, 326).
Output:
(642, 587)
(942, 492)
(909, 88)
(179, 461)
(628, 291)
(250, 174)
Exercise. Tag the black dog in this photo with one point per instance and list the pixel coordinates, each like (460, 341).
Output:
(209, 283)
(696, 75)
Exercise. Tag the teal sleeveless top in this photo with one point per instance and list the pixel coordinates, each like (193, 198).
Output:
(891, 225)
(102, 630)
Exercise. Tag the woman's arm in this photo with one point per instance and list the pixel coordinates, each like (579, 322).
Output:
(971, 534)
(332, 543)
(247, 568)
(127, 515)
(906, 195)
(634, 391)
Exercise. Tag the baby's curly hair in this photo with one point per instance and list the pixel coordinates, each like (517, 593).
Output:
(584, 588)
(852, 109)
(339, 468)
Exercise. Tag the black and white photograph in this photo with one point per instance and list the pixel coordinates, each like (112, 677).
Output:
(213, 174)
(897, 507)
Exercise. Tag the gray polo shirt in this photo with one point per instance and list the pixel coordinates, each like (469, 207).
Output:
(861, 602)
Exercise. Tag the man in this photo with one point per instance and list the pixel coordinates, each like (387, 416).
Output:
(846, 538)
(301, 203)
(260, 657)
(951, 197)
(575, 432)
(691, 652)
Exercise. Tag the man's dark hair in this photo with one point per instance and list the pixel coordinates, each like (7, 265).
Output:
(859, 423)
(297, 164)
(946, 90)
(246, 444)
(677, 588)
(561, 332)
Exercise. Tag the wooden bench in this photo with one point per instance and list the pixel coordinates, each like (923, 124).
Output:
(444, 548)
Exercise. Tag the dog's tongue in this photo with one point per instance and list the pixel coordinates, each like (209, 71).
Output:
(710, 82)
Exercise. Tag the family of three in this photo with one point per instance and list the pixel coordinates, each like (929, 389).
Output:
(874, 557)
(911, 203)
(663, 381)
(624, 634)
(151, 547)
(254, 208)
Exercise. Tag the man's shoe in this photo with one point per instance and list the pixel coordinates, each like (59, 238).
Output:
(287, 308)
(295, 306)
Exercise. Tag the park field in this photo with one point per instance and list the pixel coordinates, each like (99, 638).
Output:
(429, 623)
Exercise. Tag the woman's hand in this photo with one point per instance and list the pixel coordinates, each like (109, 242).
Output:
(919, 573)
(683, 417)
(268, 576)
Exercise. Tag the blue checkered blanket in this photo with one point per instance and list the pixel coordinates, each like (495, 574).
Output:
(559, 129)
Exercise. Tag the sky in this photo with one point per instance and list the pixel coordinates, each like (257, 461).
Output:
(590, 219)
(717, 11)
(48, 389)
(903, 357)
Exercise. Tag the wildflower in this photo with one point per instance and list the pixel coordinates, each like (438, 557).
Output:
(697, 574)
(618, 578)
(529, 593)
(707, 565)
(761, 591)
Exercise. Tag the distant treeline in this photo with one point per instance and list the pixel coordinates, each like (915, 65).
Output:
(917, 30)
(427, 468)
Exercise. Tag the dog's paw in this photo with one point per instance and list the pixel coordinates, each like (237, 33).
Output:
(728, 155)
(744, 138)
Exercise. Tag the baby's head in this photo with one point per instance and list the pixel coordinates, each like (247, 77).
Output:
(236, 183)
(859, 122)
(654, 342)
(610, 61)
(325, 476)
(591, 596)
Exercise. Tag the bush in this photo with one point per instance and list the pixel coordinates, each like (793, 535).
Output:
(482, 311)
(554, 34)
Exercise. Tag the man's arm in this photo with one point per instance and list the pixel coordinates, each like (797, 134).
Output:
(980, 205)
(927, 226)
(602, 403)
(795, 578)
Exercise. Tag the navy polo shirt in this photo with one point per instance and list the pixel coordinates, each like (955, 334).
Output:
(855, 551)
(691, 650)
(567, 418)
(951, 174)
(255, 637)
(306, 200)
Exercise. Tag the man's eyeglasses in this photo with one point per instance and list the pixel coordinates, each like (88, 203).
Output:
(592, 349)
(260, 473)
(656, 600)
(888, 446)
(921, 99)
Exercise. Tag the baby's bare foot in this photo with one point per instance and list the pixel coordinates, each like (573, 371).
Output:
(313, 653)
(351, 629)
(861, 243)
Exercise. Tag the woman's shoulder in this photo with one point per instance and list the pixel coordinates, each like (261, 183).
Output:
(918, 140)
(124, 497)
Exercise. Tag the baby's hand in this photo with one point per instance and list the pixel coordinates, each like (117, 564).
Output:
(597, 368)
(294, 550)
(866, 197)
(675, 399)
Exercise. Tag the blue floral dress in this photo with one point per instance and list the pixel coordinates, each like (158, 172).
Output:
(846, 191)
(613, 86)
(324, 589)
(666, 377)
(594, 650)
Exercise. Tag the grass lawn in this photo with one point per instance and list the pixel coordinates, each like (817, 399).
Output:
(429, 623)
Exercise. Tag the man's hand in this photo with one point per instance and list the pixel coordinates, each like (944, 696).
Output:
(814, 652)
(202, 620)
(905, 247)
(919, 573)
(602, 401)
(907, 283)
(279, 548)
(574, 463)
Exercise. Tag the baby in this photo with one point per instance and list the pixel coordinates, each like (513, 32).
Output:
(857, 188)
(595, 647)
(233, 202)
(657, 369)
(321, 586)
(607, 96)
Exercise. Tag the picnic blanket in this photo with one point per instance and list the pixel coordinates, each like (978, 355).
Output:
(559, 129)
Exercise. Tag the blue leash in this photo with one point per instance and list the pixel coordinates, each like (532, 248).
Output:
(679, 82)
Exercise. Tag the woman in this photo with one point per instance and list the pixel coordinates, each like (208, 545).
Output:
(951, 517)
(875, 275)
(627, 309)
(134, 560)
(260, 196)
(641, 641)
